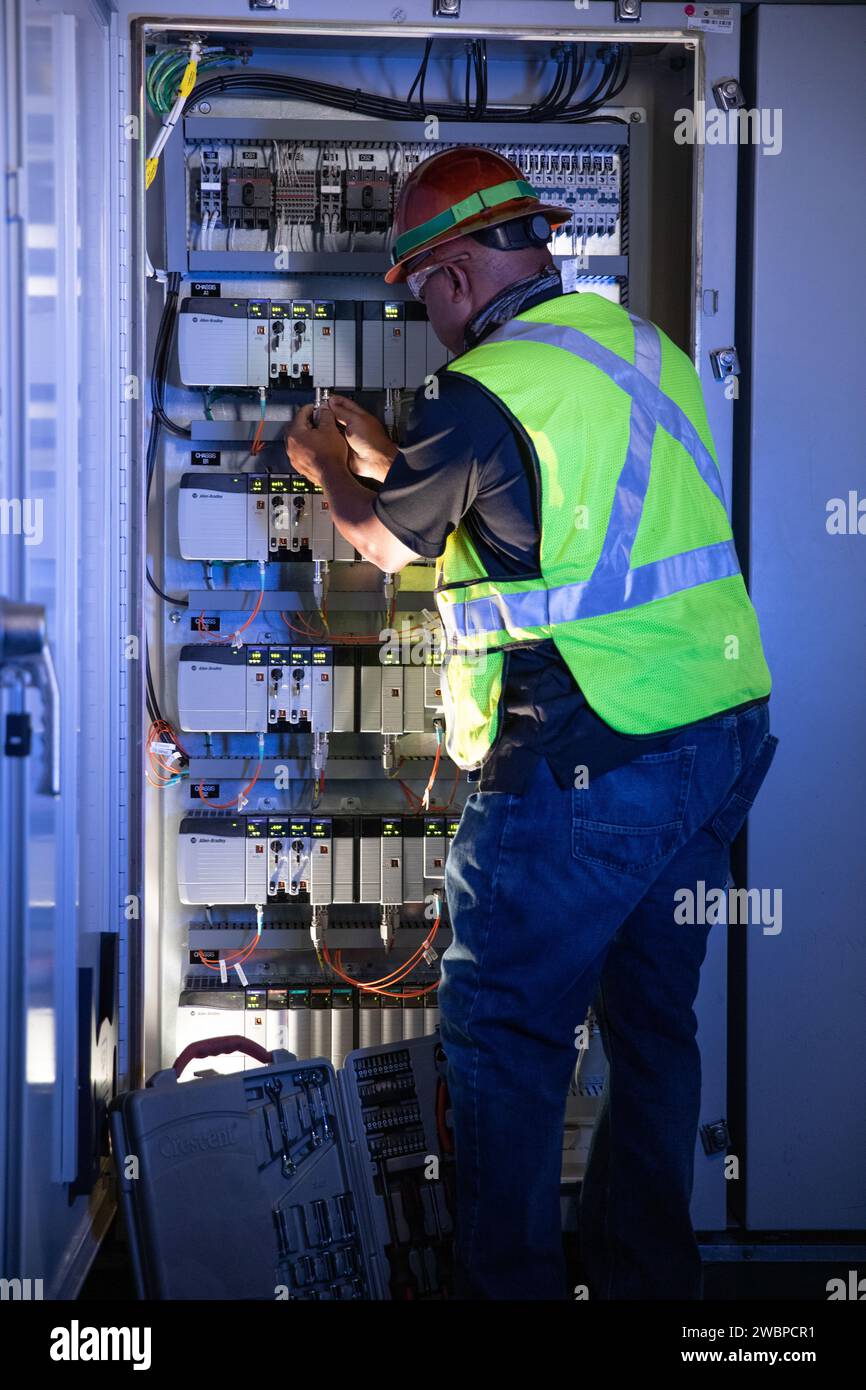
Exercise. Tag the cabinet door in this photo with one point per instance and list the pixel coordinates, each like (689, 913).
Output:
(805, 1024)
(63, 842)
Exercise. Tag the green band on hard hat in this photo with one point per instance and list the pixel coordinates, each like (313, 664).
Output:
(467, 207)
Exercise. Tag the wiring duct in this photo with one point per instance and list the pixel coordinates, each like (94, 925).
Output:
(562, 102)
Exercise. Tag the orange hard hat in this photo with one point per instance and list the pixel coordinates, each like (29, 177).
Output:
(455, 192)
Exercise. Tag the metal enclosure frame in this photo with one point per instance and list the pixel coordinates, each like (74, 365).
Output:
(711, 321)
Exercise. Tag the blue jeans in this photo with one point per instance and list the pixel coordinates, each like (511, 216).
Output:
(560, 899)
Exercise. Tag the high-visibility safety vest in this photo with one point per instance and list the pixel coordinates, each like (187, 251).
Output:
(639, 585)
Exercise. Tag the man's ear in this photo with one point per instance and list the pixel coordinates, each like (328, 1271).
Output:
(459, 284)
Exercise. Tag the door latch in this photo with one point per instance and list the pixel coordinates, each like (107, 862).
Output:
(715, 1137)
(19, 733)
(24, 649)
(725, 362)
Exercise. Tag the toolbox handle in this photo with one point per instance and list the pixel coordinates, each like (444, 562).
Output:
(214, 1047)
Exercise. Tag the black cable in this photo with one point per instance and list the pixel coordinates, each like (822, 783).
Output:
(547, 102)
(480, 102)
(428, 49)
(557, 106)
(577, 67)
(390, 108)
(150, 692)
(553, 107)
(483, 49)
(626, 70)
(162, 353)
(169, 598)
(419, 76)
(598, 95)
(158, 418)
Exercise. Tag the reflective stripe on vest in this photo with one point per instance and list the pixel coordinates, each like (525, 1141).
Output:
(613, 586)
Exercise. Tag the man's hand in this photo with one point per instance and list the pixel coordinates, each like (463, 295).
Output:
(320, 453)
(373, 450)
(316, 451)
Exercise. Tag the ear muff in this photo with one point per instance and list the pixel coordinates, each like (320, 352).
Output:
(538, 229)
(515, 235)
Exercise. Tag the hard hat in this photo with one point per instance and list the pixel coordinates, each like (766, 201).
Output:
(456, 192)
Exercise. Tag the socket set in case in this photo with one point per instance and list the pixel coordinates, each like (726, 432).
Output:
(291, 1181)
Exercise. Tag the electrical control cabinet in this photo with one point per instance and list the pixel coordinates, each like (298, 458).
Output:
(300, 798)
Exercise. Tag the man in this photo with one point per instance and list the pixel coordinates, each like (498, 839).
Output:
(605, 685)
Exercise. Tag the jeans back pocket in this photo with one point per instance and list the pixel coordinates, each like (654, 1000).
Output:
(632, 818)
(730, 818)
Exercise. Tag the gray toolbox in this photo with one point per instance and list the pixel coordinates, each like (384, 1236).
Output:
(290, 1180)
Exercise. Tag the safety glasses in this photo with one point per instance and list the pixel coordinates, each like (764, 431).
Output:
(418, 278)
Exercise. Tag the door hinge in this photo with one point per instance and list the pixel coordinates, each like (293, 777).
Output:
(13, 211)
